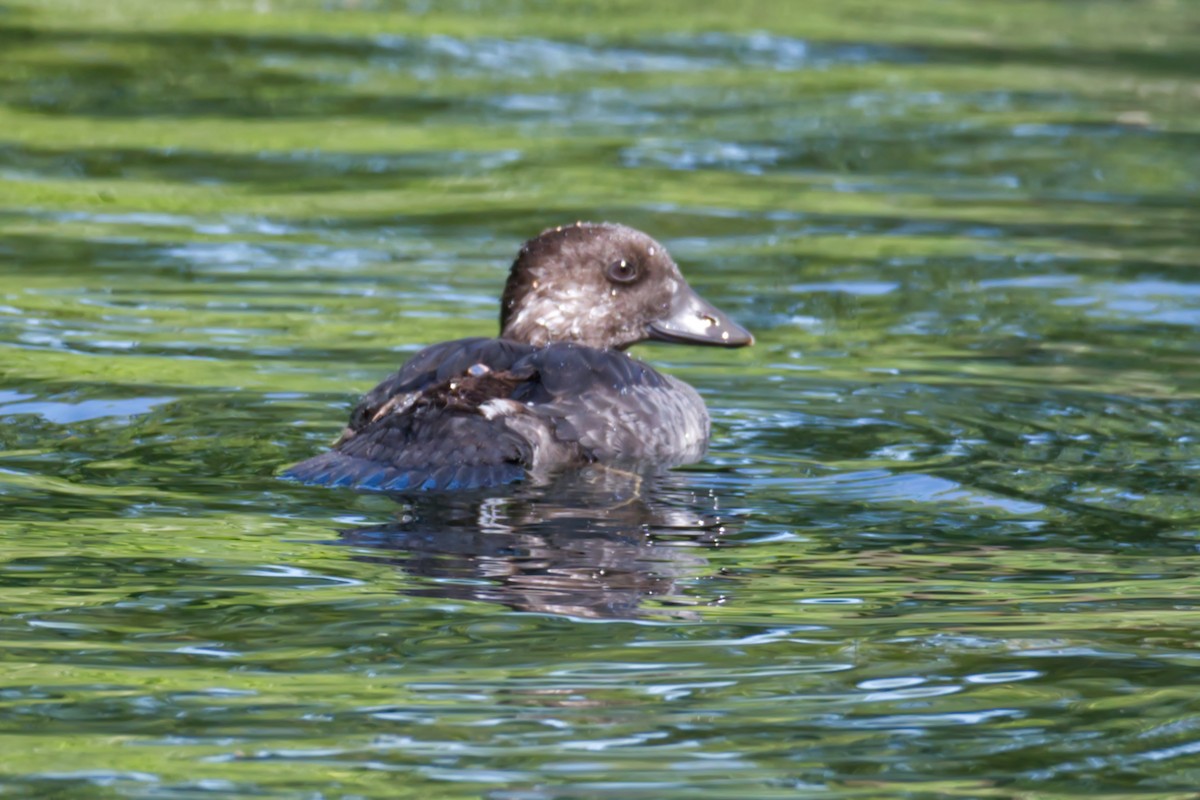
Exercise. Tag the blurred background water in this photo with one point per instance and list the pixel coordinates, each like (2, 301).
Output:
(945, 543)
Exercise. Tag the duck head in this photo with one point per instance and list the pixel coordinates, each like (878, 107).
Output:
(606, 286)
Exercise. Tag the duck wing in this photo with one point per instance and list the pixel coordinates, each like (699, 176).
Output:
(428, 427)
(483, 412)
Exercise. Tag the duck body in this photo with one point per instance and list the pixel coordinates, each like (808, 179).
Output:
(482, 412)
(555, 391)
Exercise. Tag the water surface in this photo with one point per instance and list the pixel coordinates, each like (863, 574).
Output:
(944, 544)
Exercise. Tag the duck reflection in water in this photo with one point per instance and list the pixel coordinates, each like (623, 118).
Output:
(596, 543)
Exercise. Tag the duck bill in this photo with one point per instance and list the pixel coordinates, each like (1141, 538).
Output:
(693, 320)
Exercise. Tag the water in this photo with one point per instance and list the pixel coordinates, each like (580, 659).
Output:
(944, 544)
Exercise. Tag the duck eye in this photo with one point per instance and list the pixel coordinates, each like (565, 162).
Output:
(623, 271)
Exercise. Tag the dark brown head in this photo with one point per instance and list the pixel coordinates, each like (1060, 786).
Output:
(606, 285)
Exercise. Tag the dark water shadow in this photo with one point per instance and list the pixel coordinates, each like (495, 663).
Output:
(325, 171)
(595, 544)
(897, 155)
(174, 73)
(60, 254)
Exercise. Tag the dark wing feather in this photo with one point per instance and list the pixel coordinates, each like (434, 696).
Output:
(438, 424)
(434, 365)
(429, 448)
(413, 432)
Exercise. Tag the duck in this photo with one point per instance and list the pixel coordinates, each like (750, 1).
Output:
(555, 390)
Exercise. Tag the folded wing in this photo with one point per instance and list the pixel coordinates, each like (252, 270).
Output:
(483, 412)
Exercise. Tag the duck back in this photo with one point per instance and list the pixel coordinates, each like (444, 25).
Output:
(482, 412)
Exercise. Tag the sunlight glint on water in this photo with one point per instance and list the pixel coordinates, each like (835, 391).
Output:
(944, 544)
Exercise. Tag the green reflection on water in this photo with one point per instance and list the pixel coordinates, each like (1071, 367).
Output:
(944, 545)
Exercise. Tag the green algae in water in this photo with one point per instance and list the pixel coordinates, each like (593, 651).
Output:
(944, 544)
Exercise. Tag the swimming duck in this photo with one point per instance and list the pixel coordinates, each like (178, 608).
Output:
(555, 390)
